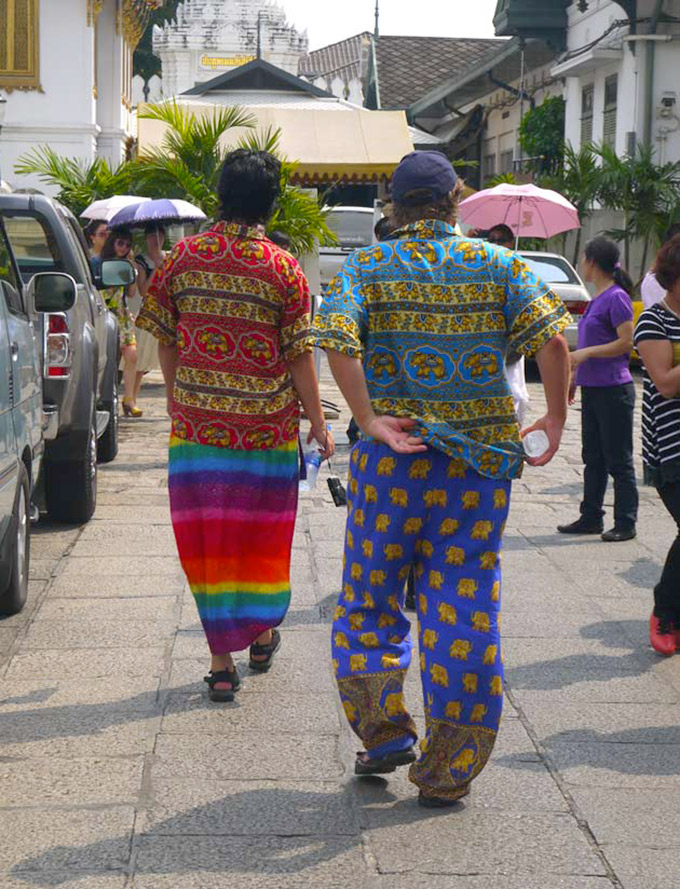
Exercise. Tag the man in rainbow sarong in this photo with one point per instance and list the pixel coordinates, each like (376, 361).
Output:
(416, 329)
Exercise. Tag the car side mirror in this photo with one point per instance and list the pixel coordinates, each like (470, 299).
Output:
(52, 292)
(116, 273)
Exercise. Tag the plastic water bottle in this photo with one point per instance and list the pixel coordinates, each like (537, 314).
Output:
(312, 457)
(536, 444)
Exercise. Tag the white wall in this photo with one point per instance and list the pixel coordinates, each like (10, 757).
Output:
(66, 115)
(632, 69)
(63, 114)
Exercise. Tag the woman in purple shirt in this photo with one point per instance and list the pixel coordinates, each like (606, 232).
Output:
(601, 367)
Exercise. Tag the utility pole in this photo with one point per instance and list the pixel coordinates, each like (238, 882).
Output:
(376, 32)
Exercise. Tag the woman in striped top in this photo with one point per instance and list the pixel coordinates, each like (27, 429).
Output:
(657, 337)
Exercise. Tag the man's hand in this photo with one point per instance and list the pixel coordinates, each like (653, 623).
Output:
(396, 433)
(553, 428)
(324, 437)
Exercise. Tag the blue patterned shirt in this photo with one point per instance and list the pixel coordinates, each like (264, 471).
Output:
(432, 316)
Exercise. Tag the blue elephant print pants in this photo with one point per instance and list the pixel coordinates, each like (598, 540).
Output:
(430, 511)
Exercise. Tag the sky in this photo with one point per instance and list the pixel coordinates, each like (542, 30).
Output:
(328, 21)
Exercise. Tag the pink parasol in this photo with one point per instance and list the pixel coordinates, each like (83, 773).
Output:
(530, 212)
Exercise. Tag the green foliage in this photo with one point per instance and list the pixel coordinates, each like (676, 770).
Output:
(578, 179)
(502, 179)
(541, 134)
(646, 194)
(79, 184)
(145, 63)
(185, 165)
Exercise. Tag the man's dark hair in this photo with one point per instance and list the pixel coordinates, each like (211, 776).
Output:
(502, 234)
(383, 228)
(250, 183)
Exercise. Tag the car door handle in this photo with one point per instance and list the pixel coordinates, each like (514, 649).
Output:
(14, 349)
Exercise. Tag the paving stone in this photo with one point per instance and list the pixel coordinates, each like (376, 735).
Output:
(62, 880)
(640, 868)
(319, 861)
(77, 586)
(504, 842)
(254, 713)
(291, 675)
(132, 548)
(249, 808)
(545, 881)
(127, 609)
(630, 817)
(618, 765)
(584, 722)
(107, 516)
(94, 663)
(69, 840)
(95, 634)
(120, 566)
(42, 569)
(284, 757)
(77, 782)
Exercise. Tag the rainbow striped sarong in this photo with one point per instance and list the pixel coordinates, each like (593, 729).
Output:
(233, 513)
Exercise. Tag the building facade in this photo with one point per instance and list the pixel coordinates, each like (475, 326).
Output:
(212, 37)
(622, 75)
(66, 72)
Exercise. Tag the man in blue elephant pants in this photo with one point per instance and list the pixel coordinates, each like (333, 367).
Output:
(416, 330)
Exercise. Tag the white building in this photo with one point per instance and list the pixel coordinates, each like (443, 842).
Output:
(211, 37)
(477, 112)
(66, 71)
(622, 77)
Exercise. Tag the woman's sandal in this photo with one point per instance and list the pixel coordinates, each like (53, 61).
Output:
(268, 651)
(223, 695)
(385, 764)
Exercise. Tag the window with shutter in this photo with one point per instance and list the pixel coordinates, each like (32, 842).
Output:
(587, 97)
(611, 92)
(19, 44)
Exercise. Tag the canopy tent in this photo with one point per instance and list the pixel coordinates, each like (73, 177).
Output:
(352, 145)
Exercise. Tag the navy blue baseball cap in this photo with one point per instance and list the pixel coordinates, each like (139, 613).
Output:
(423, 171)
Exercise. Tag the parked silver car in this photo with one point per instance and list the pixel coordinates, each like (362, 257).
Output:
(354, 228)
(563, 278)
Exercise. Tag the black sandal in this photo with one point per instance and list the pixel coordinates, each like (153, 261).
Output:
(223, 695)
(386, 764)
(268, 650)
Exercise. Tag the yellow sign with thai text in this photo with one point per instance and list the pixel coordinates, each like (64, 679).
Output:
(214, 62)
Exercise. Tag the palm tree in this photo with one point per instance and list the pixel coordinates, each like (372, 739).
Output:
(188, 161)
(79, 183)
(578, 180)
(646, 194)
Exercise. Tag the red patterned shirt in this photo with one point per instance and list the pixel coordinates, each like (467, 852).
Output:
(237, 308)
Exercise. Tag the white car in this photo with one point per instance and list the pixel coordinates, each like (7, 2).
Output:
(354, 228)
(565, 281)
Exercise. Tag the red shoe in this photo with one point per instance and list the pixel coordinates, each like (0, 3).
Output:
(662, 635)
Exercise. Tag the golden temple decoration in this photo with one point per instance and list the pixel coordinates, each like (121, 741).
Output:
(94, 7)
(134, 17)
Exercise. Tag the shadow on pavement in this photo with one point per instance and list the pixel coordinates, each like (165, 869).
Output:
(264, 831)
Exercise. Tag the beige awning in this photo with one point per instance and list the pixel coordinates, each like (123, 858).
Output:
(352, 145)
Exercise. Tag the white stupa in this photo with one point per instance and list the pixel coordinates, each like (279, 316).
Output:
(214, 36)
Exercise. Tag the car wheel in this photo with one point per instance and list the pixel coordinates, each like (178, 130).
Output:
(13, 598)
(107, 446)
(71, 488)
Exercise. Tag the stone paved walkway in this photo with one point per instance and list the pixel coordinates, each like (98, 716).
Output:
(115, 771)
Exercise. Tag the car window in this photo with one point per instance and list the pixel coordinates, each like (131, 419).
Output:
(353, 228)
(552, 269)
(34, 246)
(11, 286)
